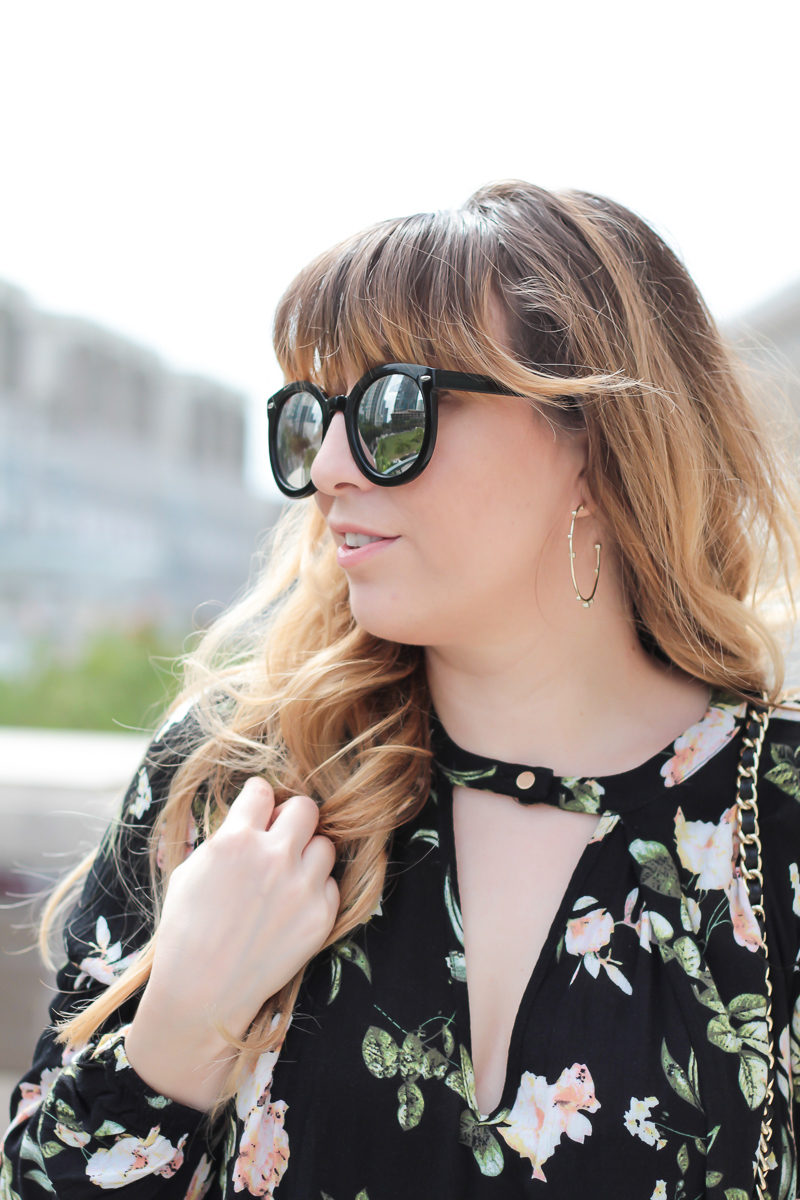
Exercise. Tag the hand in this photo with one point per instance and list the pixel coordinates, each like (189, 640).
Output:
(241, 916)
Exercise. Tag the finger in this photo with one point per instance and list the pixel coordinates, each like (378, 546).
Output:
(253, 807)
(319, 856)
(295, 821)
(332, 899)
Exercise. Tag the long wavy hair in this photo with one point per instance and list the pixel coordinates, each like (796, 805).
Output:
(608, 334)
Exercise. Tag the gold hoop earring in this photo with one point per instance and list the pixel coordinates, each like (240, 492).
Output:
(586, 601)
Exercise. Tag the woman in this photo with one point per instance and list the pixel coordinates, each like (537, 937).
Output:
(468, 915)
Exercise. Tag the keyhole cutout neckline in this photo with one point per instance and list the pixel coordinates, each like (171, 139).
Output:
(620, 792)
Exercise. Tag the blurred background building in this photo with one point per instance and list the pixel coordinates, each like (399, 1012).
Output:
(123, 498)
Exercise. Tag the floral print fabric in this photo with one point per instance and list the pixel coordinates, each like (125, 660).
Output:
(638, 1060)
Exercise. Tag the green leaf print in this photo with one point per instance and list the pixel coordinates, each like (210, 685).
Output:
(683, 1158)
(50, 1149)
(6, 1190)
(468, 1076)
(31, 1150)
(434, 1065)
(736, 1194)
(462, 778)
(713, 1178)
(455, 1081)
(786, 772)
(346, 952)
(42, 1180)
(787, 1189)
(722, 1035)
(453, 910)
(483, 1144)
(580, 795)
(65, 1115)
(362, 1195)
(752, 1078)
(658, 867)
(661, 928)
(694, 1078)
(352, 953)
(747, 1006)
(336, 979)
(228, 1151)
(688, 955)
(380, 1052)
(416, 1060)
(411, 1105)
(457, 966)
(678, 1079)
(109, 1129)
(755, 1034)
(709, 997)
(429, 836)
(412, 1053)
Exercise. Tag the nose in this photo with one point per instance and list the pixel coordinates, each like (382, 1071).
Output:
(334, 468)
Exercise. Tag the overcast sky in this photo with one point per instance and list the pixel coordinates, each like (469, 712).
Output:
(168, 165)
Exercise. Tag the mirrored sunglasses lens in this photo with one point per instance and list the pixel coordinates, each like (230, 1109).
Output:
(299, 437)
(392, 424)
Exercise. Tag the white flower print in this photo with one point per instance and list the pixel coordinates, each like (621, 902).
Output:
(543, 1112)
(588, 933)
(132, 1158)
(706, 849)
(709, 851)
(144, 795)
(638, 1123)
(660, 1190)
(107, 963)
(794, 879)
(201, 1180)
(701, 741)
(794, 1052)
(651, 927)
(72, 1137)
(31, 1096)
(746, 929)
(264, 1145)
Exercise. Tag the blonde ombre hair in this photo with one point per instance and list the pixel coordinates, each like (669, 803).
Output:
(607, 334)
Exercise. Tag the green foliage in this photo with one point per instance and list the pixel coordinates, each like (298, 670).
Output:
(123, 678)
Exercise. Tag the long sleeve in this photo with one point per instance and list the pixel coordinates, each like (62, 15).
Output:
(84, 1119)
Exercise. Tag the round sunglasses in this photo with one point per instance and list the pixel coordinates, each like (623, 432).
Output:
(390, 416)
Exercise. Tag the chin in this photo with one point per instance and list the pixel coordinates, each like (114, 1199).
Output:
(395, 622)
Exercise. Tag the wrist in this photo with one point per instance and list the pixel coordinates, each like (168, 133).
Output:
(177, 1055)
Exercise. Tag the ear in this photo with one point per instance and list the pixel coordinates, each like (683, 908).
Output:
(584, 500)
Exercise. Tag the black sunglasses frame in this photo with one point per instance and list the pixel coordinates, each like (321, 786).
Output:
(429, 380)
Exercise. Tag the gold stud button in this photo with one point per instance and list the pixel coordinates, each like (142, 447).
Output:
(526, 780)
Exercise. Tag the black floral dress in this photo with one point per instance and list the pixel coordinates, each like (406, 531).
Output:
(638, 1060)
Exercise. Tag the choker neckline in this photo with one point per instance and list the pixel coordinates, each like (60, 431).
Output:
(463, 768)
(530, 784)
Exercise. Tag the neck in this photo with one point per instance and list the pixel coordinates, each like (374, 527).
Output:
(580, 696)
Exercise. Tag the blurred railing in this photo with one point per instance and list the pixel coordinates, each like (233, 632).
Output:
(57, 792)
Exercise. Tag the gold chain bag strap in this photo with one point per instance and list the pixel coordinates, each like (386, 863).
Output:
(748, 834)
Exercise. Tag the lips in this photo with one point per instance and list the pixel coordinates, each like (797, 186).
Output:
(354, 537)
